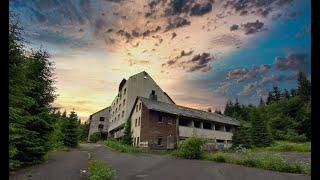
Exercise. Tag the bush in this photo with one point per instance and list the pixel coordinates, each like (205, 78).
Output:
(95, 137)
(269, 162)
(100, 171)
(285, 146)
(192, 147)
(117, 146)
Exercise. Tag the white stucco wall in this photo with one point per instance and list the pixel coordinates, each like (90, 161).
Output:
(95, 121)
(140, 84)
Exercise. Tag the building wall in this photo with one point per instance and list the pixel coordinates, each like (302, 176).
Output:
(140, 84)
(136, 123)
(95, 121)
(152, 129)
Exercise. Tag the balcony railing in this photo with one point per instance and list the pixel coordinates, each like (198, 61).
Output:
(207, 133)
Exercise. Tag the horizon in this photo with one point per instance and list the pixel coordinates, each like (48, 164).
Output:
(200, 57)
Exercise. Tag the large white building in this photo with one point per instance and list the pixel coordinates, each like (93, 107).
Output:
(140, 84)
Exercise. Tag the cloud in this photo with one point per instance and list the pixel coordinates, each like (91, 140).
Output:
(262, 83)
(234, 27)
(294, 62)
(253, 27)
(133, 62)
(199, 62)
(248, 74)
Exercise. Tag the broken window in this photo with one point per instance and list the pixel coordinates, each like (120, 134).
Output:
(227, 128)
(139, 106)
(100, 126)
(135, 123)
(206, 125)
(159, 141)
(139, 121)
(101, 118)
(197, 124)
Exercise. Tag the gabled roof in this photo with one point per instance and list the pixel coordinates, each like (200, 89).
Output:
(101, 110)
(186, 112)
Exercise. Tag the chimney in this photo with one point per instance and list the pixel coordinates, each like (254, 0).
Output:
(153, 96)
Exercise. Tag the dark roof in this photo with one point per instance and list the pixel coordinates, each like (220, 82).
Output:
(187, 112)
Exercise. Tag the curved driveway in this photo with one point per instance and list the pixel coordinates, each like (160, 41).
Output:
(68, 165)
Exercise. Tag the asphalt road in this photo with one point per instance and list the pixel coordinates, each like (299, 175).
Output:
(68, 166)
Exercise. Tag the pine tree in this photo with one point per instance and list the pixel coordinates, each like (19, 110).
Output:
(270, 98)
(276, 93)
(304, 87)
(260, 133)
(127, 137)
(241, 136)
(261, 103)
(71, 130)
(286, 94)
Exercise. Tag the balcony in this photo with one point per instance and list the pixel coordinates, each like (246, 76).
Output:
(210, 134)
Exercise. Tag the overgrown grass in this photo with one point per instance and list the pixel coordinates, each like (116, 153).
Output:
(117, 146)
(270, 162)
(98, 170)
(286, 146)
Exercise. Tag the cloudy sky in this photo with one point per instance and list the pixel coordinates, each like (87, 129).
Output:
(201, 52)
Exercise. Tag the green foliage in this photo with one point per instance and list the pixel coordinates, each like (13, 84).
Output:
(266, 161)
(192, 147)
(84, 131)
(95, 137)
(242, 137)
(71, 130)
(117, 146)
(286, 146)
(98, 170)
(34, 129)
(260, 134)
(127, 137)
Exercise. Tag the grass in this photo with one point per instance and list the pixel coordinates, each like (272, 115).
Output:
(98, 170)
(247, 158)
(286, 146)
(268, 162)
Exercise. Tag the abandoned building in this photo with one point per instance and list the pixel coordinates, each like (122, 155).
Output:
(99, 121)
(156, 121)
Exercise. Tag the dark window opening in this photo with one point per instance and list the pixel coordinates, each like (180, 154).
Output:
(228, 129)
(197, 124)
(124, 91)
(139, 106)
(218, 127)
(220, 141)
(101, 118)
(206, 125)
(139, 121)
(136, 123)
(153, 92)
(160, 118)
(159, 141)
(184, 122)
(138, 141)
(100, 126)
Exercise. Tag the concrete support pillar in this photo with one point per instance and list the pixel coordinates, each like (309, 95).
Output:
(192, 123)
(213, 127)
(201, 125)
(224, 128)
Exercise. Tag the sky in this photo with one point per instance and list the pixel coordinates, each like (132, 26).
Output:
(201, 52)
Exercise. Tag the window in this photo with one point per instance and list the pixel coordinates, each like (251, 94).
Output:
(124, 101)
(139, 121)
(135, 123)
(100, 126)
(139, 106)
(160, 118)
(138, 141)
(122, 114)
(119, 106)
(117, 100)
(118, 116)
(159, 141)
(124, 91)
(101, 118)
(116, 110)
(228, 129)
(134, 142)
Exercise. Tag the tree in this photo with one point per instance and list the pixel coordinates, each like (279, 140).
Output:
(286, 94)
(242, 136)
(71, 130)
(304, 87)
(276, 93)
(270, 98)
(260, 133)
(127, 137)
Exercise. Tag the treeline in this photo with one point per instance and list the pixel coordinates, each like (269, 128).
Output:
(284, 116)
(34, 126)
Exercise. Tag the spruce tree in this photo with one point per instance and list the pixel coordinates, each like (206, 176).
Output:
(242, 136)
(304, 87)
(71, 130)
(286, 94)
(260, 133)
(270, 98)
(127, 137)
(276, 93)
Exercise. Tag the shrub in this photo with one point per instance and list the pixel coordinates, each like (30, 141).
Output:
(192, 147)
(285, 146)
(95, 137)
(100, 171)
(117, 146)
